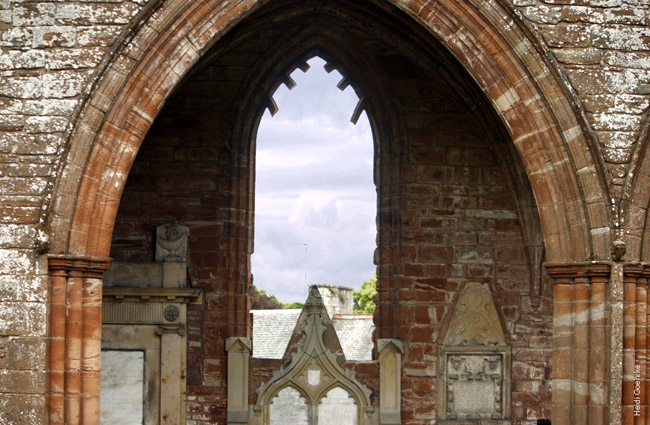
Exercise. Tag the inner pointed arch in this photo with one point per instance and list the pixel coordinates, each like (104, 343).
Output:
(315, 194)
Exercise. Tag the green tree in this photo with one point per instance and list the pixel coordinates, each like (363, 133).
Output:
(363, 298)
(293, 305)
(261, 301)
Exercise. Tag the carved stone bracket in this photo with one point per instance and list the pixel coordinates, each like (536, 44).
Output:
(171, 329)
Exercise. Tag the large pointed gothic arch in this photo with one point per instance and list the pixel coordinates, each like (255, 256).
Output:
(510, 67)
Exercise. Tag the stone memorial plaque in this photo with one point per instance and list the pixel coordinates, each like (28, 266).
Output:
(473, 397)
(337, 408)
(288, 407)
(122, 388)
(474, 383)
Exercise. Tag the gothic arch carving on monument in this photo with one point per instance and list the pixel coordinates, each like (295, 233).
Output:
(312, 375)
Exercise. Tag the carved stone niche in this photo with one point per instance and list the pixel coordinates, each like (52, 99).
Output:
(474, 363)
(313, 389)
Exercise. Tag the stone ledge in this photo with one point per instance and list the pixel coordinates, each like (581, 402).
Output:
(157, 295)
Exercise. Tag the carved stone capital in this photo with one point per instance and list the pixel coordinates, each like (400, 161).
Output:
(88, 265)
(568, 273)
(636, 271)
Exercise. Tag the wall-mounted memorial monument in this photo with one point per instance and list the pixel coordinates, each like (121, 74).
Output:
(474, 363)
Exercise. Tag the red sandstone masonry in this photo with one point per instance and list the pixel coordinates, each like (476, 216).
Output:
(208, 19)
(75, 343)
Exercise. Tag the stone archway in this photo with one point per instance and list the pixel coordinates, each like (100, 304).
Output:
(527, 92)
(509, 68)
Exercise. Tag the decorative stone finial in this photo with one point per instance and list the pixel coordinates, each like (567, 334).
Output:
(314, 303)
(171, 242)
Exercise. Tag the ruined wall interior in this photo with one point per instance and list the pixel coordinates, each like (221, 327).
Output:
(508, 133)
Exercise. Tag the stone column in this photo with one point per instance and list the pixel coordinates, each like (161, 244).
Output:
(580, 344)
(239, 350)
(75, 318)
(172, 364)
(635, 338)
(390, 379)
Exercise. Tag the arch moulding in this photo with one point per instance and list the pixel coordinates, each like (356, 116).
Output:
(527, 93)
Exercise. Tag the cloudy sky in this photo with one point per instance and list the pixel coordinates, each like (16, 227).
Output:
(315, 201)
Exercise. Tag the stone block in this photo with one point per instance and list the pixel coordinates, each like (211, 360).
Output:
(26, 288)
(617, 156)
(589, 81)
(98, 35)
(46, 124)
(27, 144)
(74, 58)
(33, 14)
(23, 382)
(620, 37)
(17, 37)
(23, 353)
(16, 262)
(16, 236)
(21, 87)
(585, 56)
(19, 59)
(474, 255)
(54, 36)
(23, 186)
(95, 13)
(23, 319)
(11, 122)
(639, 60)
(11, 106)
(64, 84)
(565, 35)
(23, 409)
(609, 122)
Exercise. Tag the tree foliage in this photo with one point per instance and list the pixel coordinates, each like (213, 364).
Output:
(260, 300)
(293, 305)
(364, 297)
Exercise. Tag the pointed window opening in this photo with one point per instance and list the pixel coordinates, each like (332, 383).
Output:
(315, 198)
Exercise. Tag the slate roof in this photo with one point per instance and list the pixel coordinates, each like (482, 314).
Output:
(355, 335)
(272, 330)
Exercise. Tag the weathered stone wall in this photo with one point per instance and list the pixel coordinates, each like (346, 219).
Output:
(603, 48)
(53, 54)
(458, 223)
